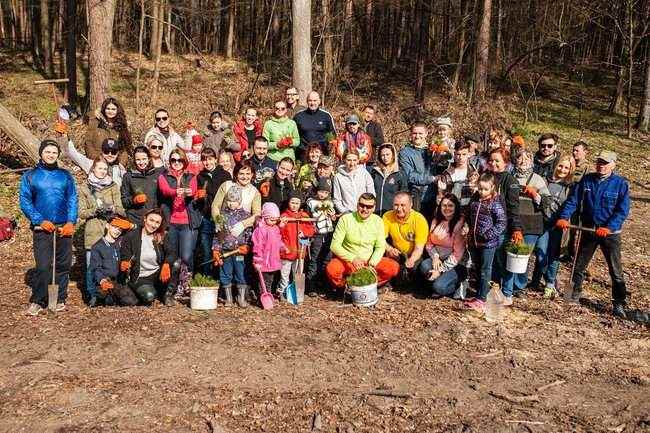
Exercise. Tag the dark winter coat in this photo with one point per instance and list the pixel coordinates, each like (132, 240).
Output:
(278, 192)
(264, 169)
(135, 182)
(387, 185)
(487, 222)
(210, 181)
(48, 193)
(99, 130)
(312, 127)
(376, 133)
(508, 190)
(131, 247)
(104, 260)
(545, 169)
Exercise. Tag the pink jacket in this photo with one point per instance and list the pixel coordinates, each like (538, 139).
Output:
(449, 247)
(267, 241)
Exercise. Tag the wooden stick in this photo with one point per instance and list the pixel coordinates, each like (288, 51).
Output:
(517, 421)
(38, 361)
(380, 393)
(584, 229)
(55, 80)
(515, 398)
(550, 385)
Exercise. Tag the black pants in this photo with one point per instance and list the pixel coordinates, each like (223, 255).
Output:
(42, 245)
(319, 256)
(144, 290)
(611, 248)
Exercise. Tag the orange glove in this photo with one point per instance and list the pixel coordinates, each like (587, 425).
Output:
(61, 128)
(530, 191)
(125, 265)
(603, 232)
(67, 230)
(139, 198)
(265, 189)
(433, 148)
(443, 148)
(562, 224)
(105, 285)
(200, 193)
(165, 273)
(517, 237)
(48, 226)
(216, 258)
(243, 250)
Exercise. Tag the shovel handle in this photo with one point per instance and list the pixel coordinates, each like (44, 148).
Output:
(581, 228)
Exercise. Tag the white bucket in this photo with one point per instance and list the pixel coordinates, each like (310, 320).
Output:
(517, 264)
(364, 296)
(203, 298)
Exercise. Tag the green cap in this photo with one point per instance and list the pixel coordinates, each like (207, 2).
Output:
(606, 155)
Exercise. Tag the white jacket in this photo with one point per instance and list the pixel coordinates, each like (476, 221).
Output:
(347, 187)
(170, 143)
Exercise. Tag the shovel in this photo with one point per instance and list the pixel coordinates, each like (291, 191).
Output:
(266, 298)
(299, 277)
(53, 289)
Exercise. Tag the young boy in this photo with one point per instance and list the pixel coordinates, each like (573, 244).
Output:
(321, 207)
(293, 232)
(104, 260)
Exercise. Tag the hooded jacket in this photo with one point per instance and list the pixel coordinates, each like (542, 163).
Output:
(279, 192)
(48, 193)
(275, 129)
(220, 139)
(508, 190)
(137, 182)
(98, 131)
(387, 182)
(487, 222)
(210, 181)
(239, 130)
(267, 241)
(92, 202)
(290, 232)
(347, 187)
(559, 191)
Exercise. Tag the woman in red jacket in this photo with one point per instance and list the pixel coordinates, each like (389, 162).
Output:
(245, 131)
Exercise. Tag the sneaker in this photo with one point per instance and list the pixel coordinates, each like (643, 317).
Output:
(33, 309)
(475, 304)
(507, 301)
(550, 292)
(520, 293)
(618, 310)
(60, 306)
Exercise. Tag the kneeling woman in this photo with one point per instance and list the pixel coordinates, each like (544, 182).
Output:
(148, 260)
(446, 247)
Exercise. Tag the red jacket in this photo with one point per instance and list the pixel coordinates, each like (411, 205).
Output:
(360, 142)
(239, 131)
(290, 233)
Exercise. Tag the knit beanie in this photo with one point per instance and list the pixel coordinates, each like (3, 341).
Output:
(234, 194)
(46, 143)
(196, 139)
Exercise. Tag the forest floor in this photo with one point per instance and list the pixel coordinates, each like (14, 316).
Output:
(408, 364)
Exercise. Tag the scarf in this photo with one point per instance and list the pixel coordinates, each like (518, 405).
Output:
(97, 184)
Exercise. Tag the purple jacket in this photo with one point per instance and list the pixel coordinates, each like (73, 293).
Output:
(487, 222)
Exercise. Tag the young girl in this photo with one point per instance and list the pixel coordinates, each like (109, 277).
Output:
(195, 165)
(322, 209)
(308, 172)
(487, 225)
(292, 234)
(228, 239)
(267, 243)
(245, 131)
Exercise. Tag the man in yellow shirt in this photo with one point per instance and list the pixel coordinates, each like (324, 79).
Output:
(406, 230)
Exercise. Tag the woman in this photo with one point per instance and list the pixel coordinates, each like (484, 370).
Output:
(155, 144)
(99, 201)
(350, 182)
(387, 178)
(139, 188)
(226, 161)
(444, 269)
(109, 122)
(178, 192)
(217, 136)
(245, 131)
(251, 197)
(109, 153)
(550, 242)
(534, 192)
(147, 261)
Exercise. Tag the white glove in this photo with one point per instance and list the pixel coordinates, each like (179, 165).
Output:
(237, 229)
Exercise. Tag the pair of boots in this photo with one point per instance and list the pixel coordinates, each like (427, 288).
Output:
(242, 289)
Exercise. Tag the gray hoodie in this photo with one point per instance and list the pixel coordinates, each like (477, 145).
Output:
(347, 187)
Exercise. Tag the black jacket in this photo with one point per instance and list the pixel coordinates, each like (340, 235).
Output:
(104, 260)
(264, 169)
(508, 189)
(131, 247)
(135, 182)
(312, 127)
(278, 192)
(210, 181)
(545, 169)
(376, 133)
(386, 188)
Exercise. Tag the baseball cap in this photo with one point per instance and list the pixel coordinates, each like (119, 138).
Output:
(110, 144)
(328, 160)
(352, 118)
(606, 155)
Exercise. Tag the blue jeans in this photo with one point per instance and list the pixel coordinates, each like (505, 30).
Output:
(445, 284)
(517, 282)
(547, 257)
(182, 238)
(206, 236)
(482, 259)
(91, 288)
(232, 270)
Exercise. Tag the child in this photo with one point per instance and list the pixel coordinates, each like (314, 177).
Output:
(195, 165)
(292, 233)
(307, 174)
(104, 260)
(487, 225)
(321, 207)
(230, 236)
(267, 243)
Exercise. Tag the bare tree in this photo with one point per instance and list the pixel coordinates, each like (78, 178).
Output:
(100, 29)
(301, 44)
(483, 51)
(644, 113)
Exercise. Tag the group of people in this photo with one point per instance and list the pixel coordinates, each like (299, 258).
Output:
(244, 203)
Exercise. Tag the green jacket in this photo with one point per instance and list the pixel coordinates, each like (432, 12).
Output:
(357, 238)
(275, 130)
(89, 203)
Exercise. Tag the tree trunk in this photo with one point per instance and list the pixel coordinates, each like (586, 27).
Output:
(230, 40)
(370, 35)
(301, 45)
(100, 28)
(155, 28)
(483, 52)
(46, 48)
(216, 35)
(643, 123)
(19, 134)
(347, 35)
(168, 30)
(157, 54)
(71, 49)
(498, 61)
(461, 46)
(328, 51)
(422, 50)
(140, 43)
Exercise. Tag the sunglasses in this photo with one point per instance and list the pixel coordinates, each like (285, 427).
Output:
(110, 152)
(547, 146)
(155, 146)
(173, 160)
(280, 108)
(158, 119)
(366, 206)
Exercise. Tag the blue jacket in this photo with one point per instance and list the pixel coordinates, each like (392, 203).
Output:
(104, 260)
(313, 125)
(48, 194)
(605, 203)
(415, 165)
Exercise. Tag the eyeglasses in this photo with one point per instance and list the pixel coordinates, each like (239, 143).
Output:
(154, 146)
(292, 94)
(110, 152)
(158, 119)
(280, 108)
(547, 145)
(173, 160)
(366, 206)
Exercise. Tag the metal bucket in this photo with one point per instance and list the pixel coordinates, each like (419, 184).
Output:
(516, 263)
(364, 296)
(204, 298)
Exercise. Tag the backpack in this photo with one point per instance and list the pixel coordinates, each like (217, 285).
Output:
(7, 228)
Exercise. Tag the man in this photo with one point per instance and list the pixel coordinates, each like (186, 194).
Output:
(327, 165)
(580, 150)
(355, 139)
(171, 138)
(314, 125)
(281, 133)
(263, 165)
(48, 198)
(603, 200)
(359, 240)
(547, 156)
(407, 231)
(460, 178)
(474, 141)
(373, 128)
(415, 162)
(292, 98)
(277, 189)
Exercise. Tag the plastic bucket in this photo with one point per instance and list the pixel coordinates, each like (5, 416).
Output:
(517, 264)
(204, 298)
(364, 296)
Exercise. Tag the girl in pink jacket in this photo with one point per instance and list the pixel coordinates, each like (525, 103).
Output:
(267, 243)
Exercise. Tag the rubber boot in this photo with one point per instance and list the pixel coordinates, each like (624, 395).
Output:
(227, 295)
(241, 295)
